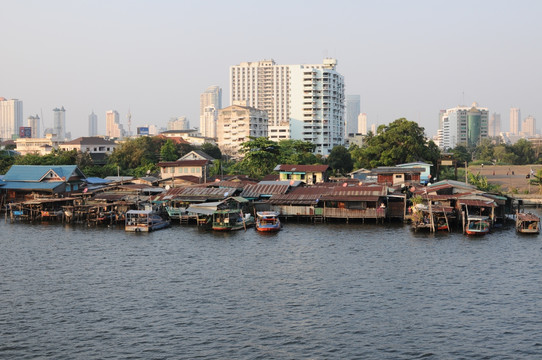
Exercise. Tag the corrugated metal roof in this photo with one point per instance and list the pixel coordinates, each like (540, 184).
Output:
(302, 168)
(478, 203)
(528, 217)
(255, 191)
(195, 193)
(28, 186)
(37, 172)
(301, 196)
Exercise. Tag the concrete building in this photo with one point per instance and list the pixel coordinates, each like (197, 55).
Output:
(528, 126)
(362, 124)
(59, 123)
(494, 126)
(92, 124)
(235, 124)
(113, 127)
(515, 116)
(179, 123)
(11, 118)
(353, 110)
(463, 125)
(210, 103)
(34, 123)
(39, 146)
(306, 101)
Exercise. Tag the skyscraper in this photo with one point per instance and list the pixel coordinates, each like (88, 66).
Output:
(528, 126)
(11, 118)
(353, 106)
(113, 128)
(362, 124)
(494, 127)
(179, 123)
(515, 116)
(463, 125)
(210, 103)
(92, 124)
(306, 101)
(34, 123)
(59, 123)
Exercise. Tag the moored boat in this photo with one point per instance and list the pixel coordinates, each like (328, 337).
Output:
(527, 223)
(267, 221)
(477, 225)
(229, 220)
(144, 221)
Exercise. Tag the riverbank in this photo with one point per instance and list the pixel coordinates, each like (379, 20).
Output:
(511, 178)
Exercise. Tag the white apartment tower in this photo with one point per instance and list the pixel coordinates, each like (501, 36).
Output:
(304, 101)
(210, 103)
(515, 116)
(528, 126)
(92, 124)
(178, 123)
(236, 123)
(362, 124)
(59, 122)
(113, 128)
(11, 118)
(353, 109)
(34, 123)
(463, 125)
(494, 127)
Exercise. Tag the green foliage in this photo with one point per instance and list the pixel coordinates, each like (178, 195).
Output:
(297, 152)
(401, 141)
(482, 184)
(211, 150)
(5, 163)
(168, 151)
(461, 154)
(261, 157)
(137, 152)
(340, 160)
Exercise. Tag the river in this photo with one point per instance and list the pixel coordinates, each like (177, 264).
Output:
(311, 291)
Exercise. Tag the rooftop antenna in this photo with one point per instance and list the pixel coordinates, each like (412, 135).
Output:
(129, 116)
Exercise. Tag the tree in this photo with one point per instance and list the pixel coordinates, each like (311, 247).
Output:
(211, 150)
(297, 152)
(168, 151)
(261, 157)
(401, 141)
(523, 151)
(136, 152)
(339, 160)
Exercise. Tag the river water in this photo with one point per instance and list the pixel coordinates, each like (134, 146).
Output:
(311, 291)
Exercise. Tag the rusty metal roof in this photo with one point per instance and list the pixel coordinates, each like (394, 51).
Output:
(195, 193)
(301, 196)
(478, 203)
(301, 168)
(257, 190)
(528, 217)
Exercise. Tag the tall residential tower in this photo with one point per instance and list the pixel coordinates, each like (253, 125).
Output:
(92, 124)
(11, 118)
(515, 117)
(463, 125)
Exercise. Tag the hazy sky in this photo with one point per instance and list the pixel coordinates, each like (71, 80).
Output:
(404, 58)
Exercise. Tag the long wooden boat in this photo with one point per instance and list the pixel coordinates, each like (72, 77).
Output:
(229, 220)
(268, 221)
(144, 221)
(527, 223)
(477, 225)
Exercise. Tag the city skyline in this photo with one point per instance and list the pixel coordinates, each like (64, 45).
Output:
(134, 56)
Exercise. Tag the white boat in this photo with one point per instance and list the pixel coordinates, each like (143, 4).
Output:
(144, 221)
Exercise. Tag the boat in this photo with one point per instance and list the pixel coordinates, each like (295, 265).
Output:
(175, 212)
(477, 225)
(527, 223)
(267, 221)
(229, 220)
(144, 221)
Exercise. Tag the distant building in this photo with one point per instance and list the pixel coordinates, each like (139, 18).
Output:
(92, 124)
(179, 123)
(309, 174)
(59, 123)
(210, 103)
(362, 124)
(113, 128)
(235, 124)
(494, 127)
(528, 126)
(39, 146)
(353, 110)
(11, 118)
(34, 123)
(208, 121)
(96, 146)
(463, 125)
(515, 116)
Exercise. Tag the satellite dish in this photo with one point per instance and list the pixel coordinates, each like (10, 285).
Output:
(167, 187)
(226, 193)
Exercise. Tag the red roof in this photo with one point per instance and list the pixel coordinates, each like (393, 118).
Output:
(303, 168)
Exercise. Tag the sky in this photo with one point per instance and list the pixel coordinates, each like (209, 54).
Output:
(154, 58)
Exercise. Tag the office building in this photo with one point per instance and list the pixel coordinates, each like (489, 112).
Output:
(305, 101)
(463, 125)
(59, 123)
(353, 106)
(494, 126)
(179, 123)
(362, 124)
(11, 118)
(34, 123)
(92, 124)
(515, 116)
(236, 123)
(113, 127)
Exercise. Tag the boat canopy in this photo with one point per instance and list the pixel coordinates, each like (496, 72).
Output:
(204, 208)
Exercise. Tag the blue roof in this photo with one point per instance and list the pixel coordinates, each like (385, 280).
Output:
(36, 173)
(25, 185)
(96, 180)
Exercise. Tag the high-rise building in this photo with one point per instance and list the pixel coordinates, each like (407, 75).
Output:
(236, 123)
(208, 122)
(92, 124)
(515, 116)
(353, 109)
(463, 125)
(11, 118)
(34, 123)
(59, 123)
(528, 126)
(210, 97)
(305, 101)
(362, 124)
(210, 103)
(179, 123)
(494, 127)
(113, 127)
